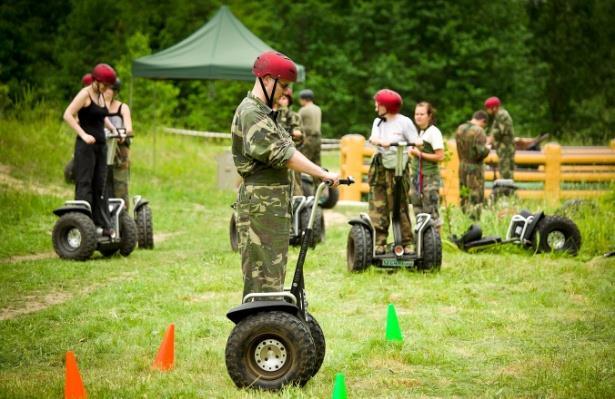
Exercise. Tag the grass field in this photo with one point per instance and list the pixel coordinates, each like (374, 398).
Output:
(497, 324)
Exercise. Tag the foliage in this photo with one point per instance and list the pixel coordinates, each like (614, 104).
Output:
(550, 62)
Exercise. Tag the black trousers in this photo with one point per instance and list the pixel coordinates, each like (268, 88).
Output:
(90, 176)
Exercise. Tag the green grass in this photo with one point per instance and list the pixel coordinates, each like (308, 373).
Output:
(497, 324)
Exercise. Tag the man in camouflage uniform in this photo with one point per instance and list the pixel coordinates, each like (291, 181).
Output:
(502, 136)
(472, 149)
(311, 119)
(290, 121)
(263, 152)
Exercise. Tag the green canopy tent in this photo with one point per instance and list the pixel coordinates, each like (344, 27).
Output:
(222, 49)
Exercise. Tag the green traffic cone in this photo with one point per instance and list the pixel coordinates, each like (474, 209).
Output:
(393, 332)
(339, 389)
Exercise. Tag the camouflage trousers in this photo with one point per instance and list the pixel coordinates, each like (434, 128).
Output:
(118, 177)
(381, 184)
(311, 149)
(295, 178)
(426, 199)
(263, 223)
(472, 188)
(506, 163)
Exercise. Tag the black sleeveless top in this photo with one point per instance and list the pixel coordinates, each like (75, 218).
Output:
(92, 120)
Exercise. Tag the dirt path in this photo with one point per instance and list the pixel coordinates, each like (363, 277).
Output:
(19, 185)
(35, 303)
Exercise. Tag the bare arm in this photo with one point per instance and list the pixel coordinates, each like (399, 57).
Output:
(300, 163)
(127, 119)
(78, 102)
(436, 157)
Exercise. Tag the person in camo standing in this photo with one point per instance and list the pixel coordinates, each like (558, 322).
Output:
(501, 136)
(311, 117)
(290, 121)
(263, 152)
(389, 127)
(119, 173)
(472, 148)
(426, 181)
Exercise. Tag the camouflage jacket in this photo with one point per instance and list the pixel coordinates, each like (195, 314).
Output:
(471, 142)
(261, 148)
(289, 120)
(502, 129)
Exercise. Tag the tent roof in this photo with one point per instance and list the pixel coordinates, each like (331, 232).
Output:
(222, 49)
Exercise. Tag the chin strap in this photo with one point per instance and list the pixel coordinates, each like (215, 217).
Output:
(382, 118)
(267, 97)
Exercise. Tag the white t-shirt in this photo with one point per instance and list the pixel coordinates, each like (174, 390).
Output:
(433, 136)
(395, 129)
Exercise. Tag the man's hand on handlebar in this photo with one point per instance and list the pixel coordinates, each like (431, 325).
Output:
(334, 178)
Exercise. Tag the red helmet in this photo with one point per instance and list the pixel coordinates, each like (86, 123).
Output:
(103, 73)
(389, 99)
(87, 79)
(492, 102)
(275, 64)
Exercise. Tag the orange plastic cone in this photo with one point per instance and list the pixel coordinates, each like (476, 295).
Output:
(73, 386)
(166, 353)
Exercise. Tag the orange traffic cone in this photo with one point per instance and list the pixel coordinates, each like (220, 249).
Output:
(166, 353)
(73, 386)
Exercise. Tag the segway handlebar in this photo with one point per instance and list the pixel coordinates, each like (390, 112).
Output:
(402, 144)
(348, 181)
(121, 133)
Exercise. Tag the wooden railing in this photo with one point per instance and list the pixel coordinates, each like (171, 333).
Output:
(552, 166)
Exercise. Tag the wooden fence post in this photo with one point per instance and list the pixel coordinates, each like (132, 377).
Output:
(351, 164)
(553, 161)
(450, 175)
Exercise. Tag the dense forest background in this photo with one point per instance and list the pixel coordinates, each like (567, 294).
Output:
(551, 62)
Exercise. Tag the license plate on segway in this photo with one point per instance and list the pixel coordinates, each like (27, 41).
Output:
(392, 262)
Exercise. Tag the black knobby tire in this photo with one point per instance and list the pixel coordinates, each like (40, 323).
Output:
(145, 227)
(128, 234)
(258, 336)
(233, 233)
(557, 234)
(74, 236)
(330, 197)
(359, 248)
(304, 219)
(69, 172)
(319, 344)
(432, 250)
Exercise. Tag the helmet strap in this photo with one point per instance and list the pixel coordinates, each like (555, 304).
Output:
(383, 118)
(267, 97)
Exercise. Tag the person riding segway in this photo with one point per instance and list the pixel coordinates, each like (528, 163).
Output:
(263, 152)
(388, 199)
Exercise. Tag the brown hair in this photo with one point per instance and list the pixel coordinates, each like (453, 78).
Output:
(431, 111)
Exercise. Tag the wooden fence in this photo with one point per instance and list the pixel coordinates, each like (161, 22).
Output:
(550, 168)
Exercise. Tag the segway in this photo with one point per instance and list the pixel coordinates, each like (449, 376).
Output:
(142, 213)
(276, 341)
(361, 244)
(329, 197)
(301, 206)
(75, 236)
(538, 232)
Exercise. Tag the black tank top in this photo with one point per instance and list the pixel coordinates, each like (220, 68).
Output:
(92, 120)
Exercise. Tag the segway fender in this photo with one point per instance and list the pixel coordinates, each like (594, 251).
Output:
(360, 221)
(527, 237)
(246, 309)
(140, 202)
(73, 206)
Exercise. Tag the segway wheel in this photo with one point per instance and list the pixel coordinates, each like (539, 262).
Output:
(330, 197)
(557, 234)
(69, 172)
(233, 233)
(108, 250)
(74, 236)
(145, 227)
(307, 185)
(432, 250)
(128, 234)
(359, 248)
(319, 343)
(269, 350)
(304, 219)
